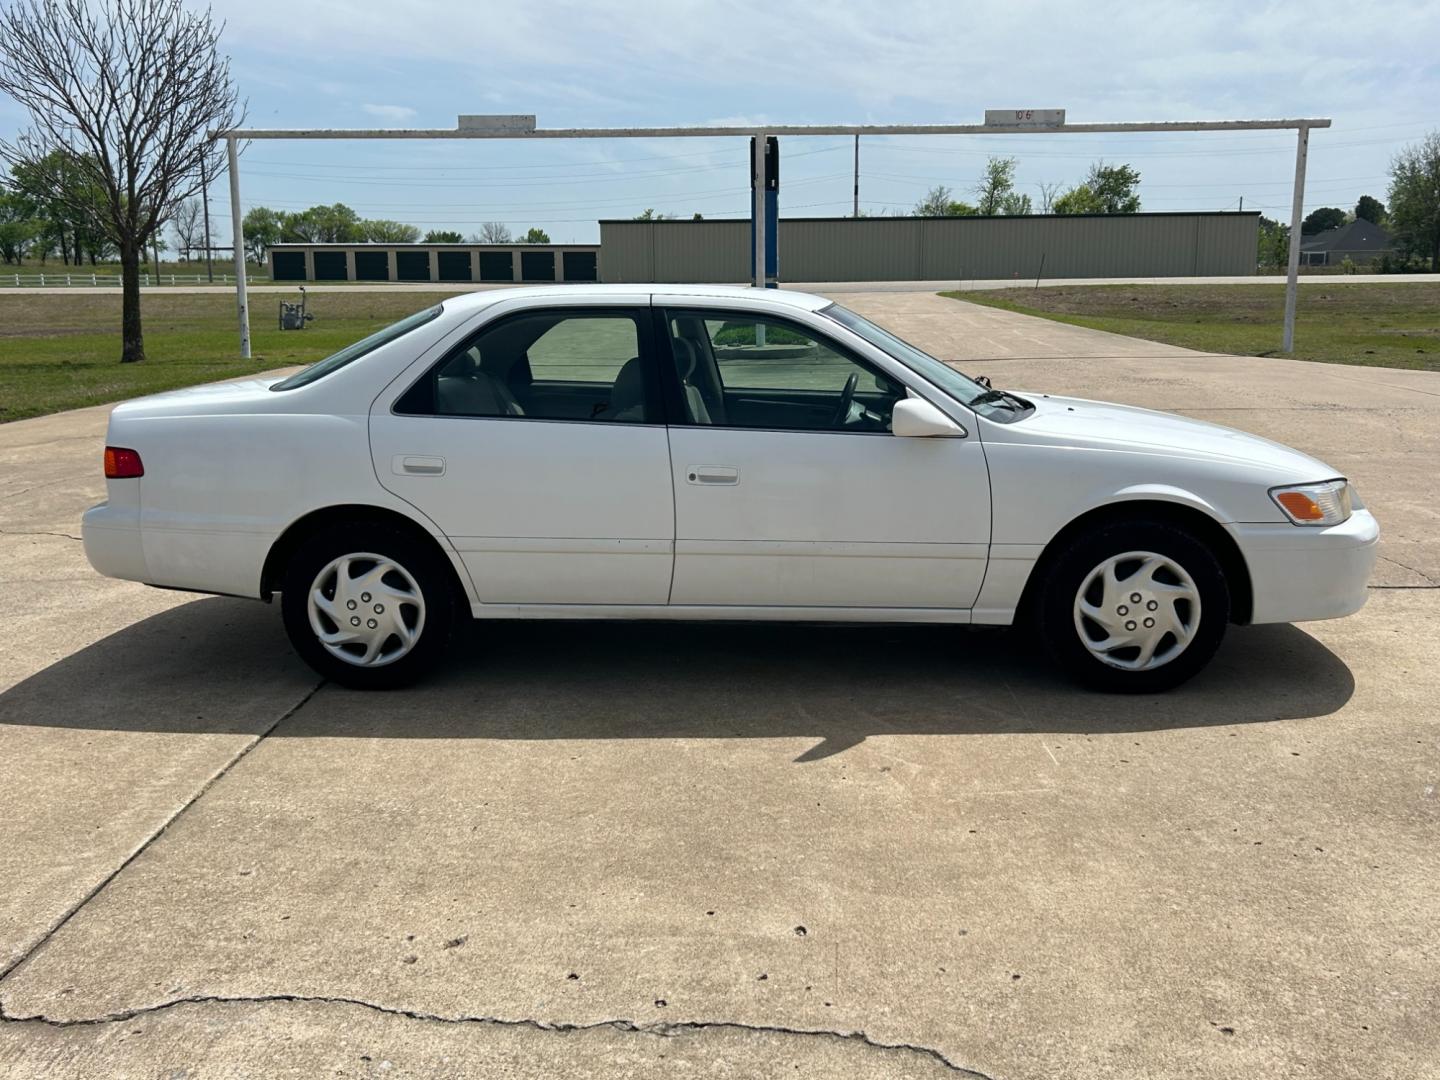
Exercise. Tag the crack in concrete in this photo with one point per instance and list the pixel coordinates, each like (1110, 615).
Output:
(24, 532)
(1418, 573)
(662, 1029)
(144, 846)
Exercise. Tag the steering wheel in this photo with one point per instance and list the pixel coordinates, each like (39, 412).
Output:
(846, 397)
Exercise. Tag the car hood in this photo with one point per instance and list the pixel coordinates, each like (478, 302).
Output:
(1105, 425)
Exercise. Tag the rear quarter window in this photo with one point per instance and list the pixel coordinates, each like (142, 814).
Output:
(351, 353)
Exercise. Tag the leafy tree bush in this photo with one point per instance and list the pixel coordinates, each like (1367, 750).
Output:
(743, 333)
(1107, 189)
(1322, 220)
(1370, 209)
(1415, 200)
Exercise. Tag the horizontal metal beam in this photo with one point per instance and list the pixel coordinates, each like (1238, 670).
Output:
(783, 129)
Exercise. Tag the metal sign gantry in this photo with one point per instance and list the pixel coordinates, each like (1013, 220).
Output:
(524, 127)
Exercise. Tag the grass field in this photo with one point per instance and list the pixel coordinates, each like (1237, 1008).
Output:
(62, 351)
(1381, 325)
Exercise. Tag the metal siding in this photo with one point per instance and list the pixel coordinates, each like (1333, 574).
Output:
(938, 249)
(697, 251)
(626, 253)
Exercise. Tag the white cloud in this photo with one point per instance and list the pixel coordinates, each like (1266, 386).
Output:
(394, 113)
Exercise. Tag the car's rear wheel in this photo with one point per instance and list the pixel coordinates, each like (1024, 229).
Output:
(1134, 607)
(367, 605)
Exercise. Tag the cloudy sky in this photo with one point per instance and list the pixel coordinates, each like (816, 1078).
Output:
(1371, 67)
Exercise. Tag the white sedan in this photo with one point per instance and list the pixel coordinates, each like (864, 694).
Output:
(669, 452)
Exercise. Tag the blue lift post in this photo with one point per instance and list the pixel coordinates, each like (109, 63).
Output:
(772, 212)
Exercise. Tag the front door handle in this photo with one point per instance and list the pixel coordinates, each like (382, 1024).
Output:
(417, 465)
(712, 475)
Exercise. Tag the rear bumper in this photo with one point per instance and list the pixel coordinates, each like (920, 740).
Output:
(112, 541)
(1299, 574)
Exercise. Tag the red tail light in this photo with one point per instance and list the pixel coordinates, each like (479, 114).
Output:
(122, 464)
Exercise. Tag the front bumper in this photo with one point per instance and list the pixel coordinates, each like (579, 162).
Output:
(1299, 574)
(112, 541)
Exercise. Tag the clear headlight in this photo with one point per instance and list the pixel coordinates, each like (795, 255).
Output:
(1325, 503)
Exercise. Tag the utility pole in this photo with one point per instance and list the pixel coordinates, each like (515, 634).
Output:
(205, 204)
(1242, 204)
(857, 176)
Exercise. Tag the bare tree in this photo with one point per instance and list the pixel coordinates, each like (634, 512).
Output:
(493, 232)
(127, 93)
(187, 218)
(1049, 191)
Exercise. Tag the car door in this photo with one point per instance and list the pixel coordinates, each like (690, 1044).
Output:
(536, 443)
(791, 492)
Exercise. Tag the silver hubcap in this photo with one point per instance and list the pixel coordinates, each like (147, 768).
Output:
(366, 609)
(1137, 611)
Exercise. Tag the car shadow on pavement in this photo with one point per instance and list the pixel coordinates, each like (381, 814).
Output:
(192, 669)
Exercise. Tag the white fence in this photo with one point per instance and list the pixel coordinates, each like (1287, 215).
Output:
(17, 281)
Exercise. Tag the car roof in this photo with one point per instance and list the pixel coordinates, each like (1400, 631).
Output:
(581, 293)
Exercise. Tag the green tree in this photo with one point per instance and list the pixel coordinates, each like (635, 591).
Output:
(536, 236)
(335, 224)
(381, 231)
(649, 214)
(1014, 203)
(938, 202)
(263, 228)
(1415, 199)
(1106, 189)
(19, 226)
(1274, 245)
(67, 201)
(443, 236)
(1370, 209)
(1322, 220)
(995, 186)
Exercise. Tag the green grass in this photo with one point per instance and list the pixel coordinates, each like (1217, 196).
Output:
(1377, 325)
(63, 351)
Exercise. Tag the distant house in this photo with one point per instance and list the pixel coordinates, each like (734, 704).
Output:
(1360, 241)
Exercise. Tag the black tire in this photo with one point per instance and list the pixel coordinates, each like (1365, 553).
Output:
(416, 558)
(1071, 568)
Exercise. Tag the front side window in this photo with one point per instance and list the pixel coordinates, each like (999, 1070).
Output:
(334, 362)
(541, 366)
(960, 387)
(739, 370)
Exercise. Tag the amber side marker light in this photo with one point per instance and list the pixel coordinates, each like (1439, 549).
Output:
(1300, 506)
(122, 464)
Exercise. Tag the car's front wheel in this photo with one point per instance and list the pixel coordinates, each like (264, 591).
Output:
(1135, 607)
(367, 606)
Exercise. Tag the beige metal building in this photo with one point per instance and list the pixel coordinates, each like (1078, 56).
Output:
(938, 249)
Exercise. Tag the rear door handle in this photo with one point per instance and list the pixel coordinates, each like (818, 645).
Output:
(712, 475)
(417, 465)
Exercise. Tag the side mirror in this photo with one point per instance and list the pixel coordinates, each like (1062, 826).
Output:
(917, 418)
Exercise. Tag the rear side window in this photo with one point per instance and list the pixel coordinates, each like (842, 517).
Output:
(336, 361)
(553, 365)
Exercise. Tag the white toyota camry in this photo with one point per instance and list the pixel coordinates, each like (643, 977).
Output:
(671, 452)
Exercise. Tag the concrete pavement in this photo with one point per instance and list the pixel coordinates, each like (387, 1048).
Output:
(762, 851)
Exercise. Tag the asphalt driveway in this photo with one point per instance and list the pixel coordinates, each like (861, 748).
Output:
(716, 851)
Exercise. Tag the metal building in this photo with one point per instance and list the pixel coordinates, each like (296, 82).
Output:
(434, 262)
(938, 249)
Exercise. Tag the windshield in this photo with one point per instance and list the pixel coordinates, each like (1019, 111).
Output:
(961, 387)
(335, 361)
